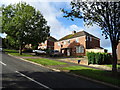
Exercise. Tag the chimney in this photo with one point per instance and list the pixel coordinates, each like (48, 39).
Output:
(73, 32)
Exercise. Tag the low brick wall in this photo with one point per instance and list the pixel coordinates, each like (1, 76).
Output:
(84, 62)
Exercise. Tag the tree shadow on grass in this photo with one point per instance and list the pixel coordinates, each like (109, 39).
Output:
(105, 76)
(11, 51)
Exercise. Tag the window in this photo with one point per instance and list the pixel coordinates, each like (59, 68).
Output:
(64, 42)
(87, 38)
(79, 49)
(77, 40)
(90, 38)
(68, 41)
(59, 44)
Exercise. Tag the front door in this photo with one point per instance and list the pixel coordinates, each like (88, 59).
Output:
(68, 52)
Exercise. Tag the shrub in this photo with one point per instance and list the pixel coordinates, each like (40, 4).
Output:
(99, 58)
(27, 50)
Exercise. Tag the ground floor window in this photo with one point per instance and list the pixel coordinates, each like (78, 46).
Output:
(79, 49)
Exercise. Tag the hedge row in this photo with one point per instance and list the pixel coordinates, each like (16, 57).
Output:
(99, 58)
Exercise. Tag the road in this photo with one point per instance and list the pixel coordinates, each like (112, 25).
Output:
(22, 75)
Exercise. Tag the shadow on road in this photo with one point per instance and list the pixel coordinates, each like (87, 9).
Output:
(54, 80)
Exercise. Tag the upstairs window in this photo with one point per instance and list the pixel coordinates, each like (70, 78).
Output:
(59, 44)
(68, 41)
(77, 40)
(64, 42)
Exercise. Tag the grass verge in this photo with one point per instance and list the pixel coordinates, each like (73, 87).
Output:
(96, 74)
(45, 62)
(16, 53)
(118, 66)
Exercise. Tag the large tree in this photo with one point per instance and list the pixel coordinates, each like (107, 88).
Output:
(104, 14)
(24, 23)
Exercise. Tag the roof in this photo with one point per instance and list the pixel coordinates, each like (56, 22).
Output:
(52, 38)
(78, 34)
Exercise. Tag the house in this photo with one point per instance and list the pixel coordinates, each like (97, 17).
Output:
(118, 50)
(48, 44)
(75, 44)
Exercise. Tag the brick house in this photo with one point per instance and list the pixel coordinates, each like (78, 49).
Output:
(48, 44)
(118, 50)
(75, 44)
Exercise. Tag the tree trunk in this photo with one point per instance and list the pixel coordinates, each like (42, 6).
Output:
(114, 59)
(20, 50)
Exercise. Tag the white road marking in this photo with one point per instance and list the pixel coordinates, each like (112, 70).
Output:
(2, 63)
(34, 80)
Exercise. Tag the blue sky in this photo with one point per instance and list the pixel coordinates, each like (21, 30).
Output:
(62, 26)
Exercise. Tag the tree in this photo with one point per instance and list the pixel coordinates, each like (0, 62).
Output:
(25, 24)
(104, 14)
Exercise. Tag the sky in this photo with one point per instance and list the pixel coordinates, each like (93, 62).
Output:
(60, 26)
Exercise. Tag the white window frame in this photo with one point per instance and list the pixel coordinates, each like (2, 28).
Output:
(59, 44)
(68, 41)
(77, 40)
(79, 49)
(64, 42)
(90, 38)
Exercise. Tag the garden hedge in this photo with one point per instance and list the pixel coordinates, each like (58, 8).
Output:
(99, 58)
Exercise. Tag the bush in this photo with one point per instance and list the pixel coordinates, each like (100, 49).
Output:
(80, 56)
(27, 50)
(99, 58)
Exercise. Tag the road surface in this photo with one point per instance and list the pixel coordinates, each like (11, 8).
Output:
(22, 75)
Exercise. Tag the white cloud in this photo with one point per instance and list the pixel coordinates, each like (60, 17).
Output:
(75, 27)
(51, 13)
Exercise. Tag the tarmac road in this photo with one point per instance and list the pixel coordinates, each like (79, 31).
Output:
(18, 74)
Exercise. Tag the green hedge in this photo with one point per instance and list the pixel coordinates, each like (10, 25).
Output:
(99, 58)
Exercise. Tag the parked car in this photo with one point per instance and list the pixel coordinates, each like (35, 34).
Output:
(55, 53)
(37, 52)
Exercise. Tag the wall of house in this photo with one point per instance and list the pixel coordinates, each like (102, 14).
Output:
(92, 42)
(95, 50)
(71, 43)
(118, 51)
(50, 45)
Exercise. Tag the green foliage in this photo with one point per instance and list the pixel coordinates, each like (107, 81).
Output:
(45, 62)
(98, 58)
(104, 14)
(24, 23)
(93, 73)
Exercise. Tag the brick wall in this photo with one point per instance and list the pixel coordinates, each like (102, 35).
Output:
(50, 45)
(118, 51)
(92, 42)
(71, 43)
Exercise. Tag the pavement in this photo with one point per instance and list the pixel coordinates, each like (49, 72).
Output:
(20, 74)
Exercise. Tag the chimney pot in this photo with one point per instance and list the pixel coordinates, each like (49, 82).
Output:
(73, 32)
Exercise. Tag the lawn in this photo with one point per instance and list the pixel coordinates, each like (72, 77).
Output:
(118, 66)
(101, 75)
(45, 62)
(16, 53)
